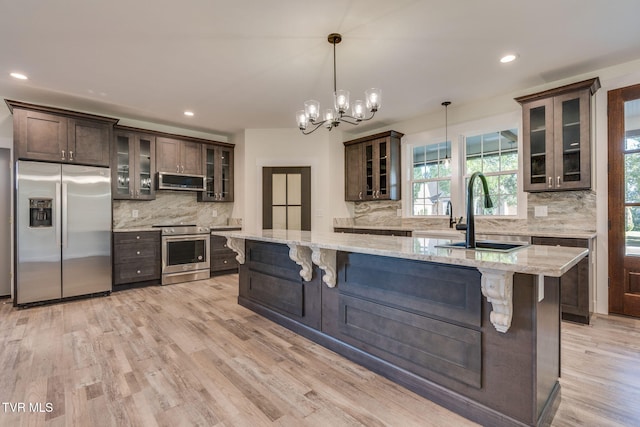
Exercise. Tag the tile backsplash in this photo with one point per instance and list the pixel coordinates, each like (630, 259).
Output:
(171, 207)
(566, 211)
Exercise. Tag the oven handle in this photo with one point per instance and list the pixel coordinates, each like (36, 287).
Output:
(184, 238)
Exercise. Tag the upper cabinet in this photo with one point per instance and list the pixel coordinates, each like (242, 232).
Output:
(133, 169)
(372, 167)
(61, 136)
(557, 137)
(218, 171)
(178, 156)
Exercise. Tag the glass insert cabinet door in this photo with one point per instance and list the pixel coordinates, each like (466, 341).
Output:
(218, 168)
(135, 166)
(556, 138)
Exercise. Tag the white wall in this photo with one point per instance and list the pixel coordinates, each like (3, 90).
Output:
(322, 151)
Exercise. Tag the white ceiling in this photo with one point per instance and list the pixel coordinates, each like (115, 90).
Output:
(252, 63)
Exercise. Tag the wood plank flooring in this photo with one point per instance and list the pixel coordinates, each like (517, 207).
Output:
(188, 355)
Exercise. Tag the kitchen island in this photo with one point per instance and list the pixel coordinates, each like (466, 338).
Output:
(477, 332)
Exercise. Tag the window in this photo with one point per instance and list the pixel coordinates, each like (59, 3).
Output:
(495, 154)
(431, 179)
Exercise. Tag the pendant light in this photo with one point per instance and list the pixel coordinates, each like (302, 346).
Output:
(447, 161)
(332, 117)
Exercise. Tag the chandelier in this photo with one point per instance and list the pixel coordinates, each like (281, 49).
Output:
(310, 116)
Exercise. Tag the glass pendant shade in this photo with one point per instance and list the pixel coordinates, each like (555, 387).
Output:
(312, 110)
(301, 118)
(329, 117)
(359, 110)
(374, 98)
(341, 100)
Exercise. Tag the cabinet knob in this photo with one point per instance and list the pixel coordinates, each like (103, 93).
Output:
(225, 261)
(138, 253)
(138, 271)
(63, 155)
(224, 246)
(137, 237)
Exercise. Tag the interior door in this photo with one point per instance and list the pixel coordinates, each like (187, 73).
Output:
(624, 200)
(286, 202)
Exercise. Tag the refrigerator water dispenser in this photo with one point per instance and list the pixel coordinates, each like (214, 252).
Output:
(40, 212)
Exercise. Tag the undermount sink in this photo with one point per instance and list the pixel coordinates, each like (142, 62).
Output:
(487, 245)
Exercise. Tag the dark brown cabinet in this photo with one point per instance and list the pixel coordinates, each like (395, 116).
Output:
(178, 156)
(222, 258)
(575, 286)
(61, 136)
(372, 167)
(136, 257)
(133, 165)
(218, 172)
(556, 137)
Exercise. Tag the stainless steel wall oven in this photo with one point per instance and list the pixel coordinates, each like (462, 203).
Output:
(185, 253)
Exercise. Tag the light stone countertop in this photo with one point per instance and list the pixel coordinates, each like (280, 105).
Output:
(572, 234)
(534, 259)
(149, 228)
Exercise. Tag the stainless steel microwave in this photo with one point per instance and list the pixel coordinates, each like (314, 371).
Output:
(179, 181)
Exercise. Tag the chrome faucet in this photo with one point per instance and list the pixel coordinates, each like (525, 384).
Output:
(470, 226)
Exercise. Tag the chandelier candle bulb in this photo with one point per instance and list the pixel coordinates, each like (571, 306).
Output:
(312, 110)
(358, 110)
(374, 96)
(341, 101)
(301, 118)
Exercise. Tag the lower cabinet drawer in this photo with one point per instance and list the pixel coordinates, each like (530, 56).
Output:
(223, 261)
(147, 269)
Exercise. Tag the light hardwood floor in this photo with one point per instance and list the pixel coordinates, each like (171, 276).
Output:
(187, 354)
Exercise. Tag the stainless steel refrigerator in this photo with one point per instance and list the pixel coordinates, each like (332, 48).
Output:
(63, 231)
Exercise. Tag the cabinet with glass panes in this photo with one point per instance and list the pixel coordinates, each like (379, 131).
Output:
(133, 166)
(372, 167)
(557, 137)
(218, 169)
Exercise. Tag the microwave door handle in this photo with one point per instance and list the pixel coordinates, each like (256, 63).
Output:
(57, 215)
(65, 217)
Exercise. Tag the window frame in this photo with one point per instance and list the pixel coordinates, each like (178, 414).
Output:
(457, 135)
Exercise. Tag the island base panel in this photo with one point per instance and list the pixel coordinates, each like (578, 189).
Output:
(494, 378)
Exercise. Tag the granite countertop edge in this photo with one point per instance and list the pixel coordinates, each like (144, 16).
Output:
(577, 234)
(533, 259)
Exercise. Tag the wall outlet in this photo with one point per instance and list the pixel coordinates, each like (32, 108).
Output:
(540, 211)
(214, 213)
(134, 213)
(399, 212)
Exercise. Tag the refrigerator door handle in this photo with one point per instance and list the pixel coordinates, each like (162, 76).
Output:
(65, 227)
(57, 214)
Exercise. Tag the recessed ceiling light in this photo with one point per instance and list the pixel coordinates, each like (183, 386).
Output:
(19, 76)
(188, 113)
(508, 58)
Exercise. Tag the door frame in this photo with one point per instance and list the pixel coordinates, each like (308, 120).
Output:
(615, 200)
(267, 173)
